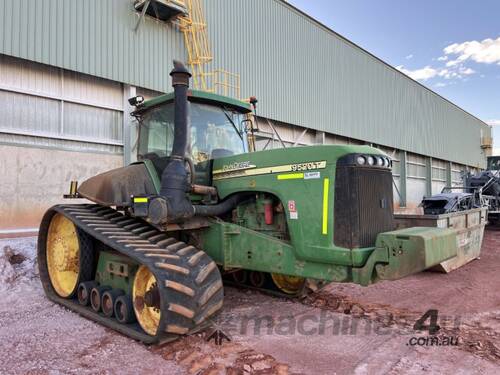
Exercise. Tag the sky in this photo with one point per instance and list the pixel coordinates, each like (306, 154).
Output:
(450, 46)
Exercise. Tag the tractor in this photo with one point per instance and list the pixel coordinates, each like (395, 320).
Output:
(149, 252)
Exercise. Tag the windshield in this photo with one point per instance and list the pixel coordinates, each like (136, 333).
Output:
(215, 132)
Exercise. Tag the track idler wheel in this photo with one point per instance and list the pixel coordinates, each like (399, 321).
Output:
(146, 300)
(108, 301)
(65, 255)
(288, 284)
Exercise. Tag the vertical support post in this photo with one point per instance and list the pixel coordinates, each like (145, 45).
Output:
(428, 176)
(61, 103)
(128, 92)
(319, 138)
(448, 173)
(402, 177)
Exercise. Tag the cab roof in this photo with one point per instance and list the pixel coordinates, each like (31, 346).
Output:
(197, 96)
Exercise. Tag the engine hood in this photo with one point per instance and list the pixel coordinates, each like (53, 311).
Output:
(115, 187)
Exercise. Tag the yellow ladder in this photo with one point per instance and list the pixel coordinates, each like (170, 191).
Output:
(194, 28)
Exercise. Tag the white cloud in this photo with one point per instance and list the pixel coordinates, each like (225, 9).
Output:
(466, 71)
(486, 51)
(453, 70)
(493, 122)
(422, 74)
(410, 56)
(452, 63)
(426, 73)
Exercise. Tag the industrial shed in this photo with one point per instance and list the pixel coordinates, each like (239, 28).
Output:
(68, 66)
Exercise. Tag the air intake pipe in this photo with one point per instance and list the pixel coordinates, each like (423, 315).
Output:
(173, 204)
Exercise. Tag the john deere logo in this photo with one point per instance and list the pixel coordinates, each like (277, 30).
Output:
(237, 166)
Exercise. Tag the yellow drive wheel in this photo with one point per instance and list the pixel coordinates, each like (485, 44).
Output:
(146, 300)
(63, 255)
(288, 284)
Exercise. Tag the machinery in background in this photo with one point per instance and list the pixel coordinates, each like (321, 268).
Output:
(480, 190)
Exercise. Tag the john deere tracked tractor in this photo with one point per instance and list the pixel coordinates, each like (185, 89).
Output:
(149, 256)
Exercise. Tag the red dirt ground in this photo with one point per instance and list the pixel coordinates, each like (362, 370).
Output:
(366, 330)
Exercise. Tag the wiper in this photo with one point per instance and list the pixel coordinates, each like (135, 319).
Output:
(232, 123)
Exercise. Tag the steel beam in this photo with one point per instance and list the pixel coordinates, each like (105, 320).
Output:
(128, 92)
(428, 175)
(402, 178)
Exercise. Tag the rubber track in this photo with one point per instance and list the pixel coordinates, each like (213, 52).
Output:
(189, 282)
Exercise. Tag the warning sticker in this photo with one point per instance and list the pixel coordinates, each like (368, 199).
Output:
(294, 215)
(312, 175)
(291, 206)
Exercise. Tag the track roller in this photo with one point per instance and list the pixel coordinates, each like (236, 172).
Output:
(96, 297)
(108, 301)
(257, 279)
(124, 311)
(83, 292)
(240, 276)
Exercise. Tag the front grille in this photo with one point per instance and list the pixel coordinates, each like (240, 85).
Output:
(363, 205)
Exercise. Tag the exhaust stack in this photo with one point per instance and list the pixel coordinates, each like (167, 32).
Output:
(173, 205)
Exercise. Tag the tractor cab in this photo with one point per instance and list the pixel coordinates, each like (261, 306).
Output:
(217, 128)
(493, 163)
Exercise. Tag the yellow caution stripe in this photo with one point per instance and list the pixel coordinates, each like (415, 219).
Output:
(140, 200)
(326, 187)
(290, 176)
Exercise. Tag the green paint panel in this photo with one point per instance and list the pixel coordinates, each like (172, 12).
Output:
(236, 247)
(304, 194)
(115, 271)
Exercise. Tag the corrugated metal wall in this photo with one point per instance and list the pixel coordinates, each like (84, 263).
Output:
(308, 76)
(91, 36)
(302, 73)
(47, 106)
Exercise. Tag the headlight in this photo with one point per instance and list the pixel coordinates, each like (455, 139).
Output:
(371, 160)
(380, 161)
(361, 160)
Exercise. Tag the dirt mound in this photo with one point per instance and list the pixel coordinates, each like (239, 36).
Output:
(17, 262)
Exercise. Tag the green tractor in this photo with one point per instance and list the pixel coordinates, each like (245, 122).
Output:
(149, 257)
